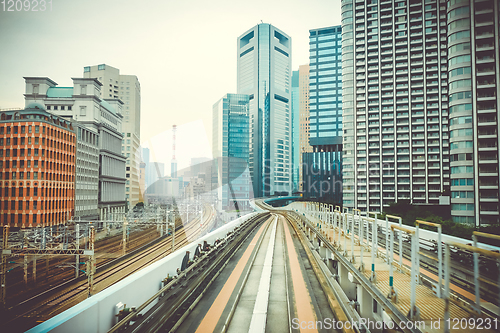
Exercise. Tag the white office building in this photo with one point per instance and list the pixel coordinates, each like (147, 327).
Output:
(128, 89)
(100, 164)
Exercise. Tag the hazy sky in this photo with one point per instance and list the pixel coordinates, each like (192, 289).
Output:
(183, 52)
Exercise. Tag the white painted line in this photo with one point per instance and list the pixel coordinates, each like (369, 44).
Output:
(259, 317)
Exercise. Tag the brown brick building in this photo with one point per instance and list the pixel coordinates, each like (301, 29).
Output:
(37, 168)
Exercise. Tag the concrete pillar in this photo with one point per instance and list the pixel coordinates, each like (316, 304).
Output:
(323, 251)
(365, 301)
(346, 285)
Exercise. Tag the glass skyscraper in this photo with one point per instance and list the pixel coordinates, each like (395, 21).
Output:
(322, 167)
(230, 145)
(264, 73)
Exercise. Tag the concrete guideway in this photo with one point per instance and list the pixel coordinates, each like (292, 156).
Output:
(268, 289)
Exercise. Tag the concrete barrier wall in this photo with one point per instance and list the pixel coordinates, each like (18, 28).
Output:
(97, 313)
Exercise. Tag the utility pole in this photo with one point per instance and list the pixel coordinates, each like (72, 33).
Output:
(173, 233)
(25, 245)
(3, 293)
(77, 262)
(124, 250)
(91, 262)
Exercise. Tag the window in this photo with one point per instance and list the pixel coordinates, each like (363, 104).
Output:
(83, 110)
(83, 89)
(37, 129)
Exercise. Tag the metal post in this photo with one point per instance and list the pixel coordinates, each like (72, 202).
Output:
(124, 236)
(3, 283)
(77, 262)
(392, 292)
(417, 258)
(387, 239)
(361, 226)
(34, 270)
(440, 264)
(339, 216)
(91, 262)
(413, 277)
(353, 259)
(345, 229)
(173, 233)
(476, 276)
(447, 288)
(374, 248)
(25, 270)
(400, 245)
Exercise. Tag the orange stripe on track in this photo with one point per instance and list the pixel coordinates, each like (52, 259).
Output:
(213, 315)
(303, 301)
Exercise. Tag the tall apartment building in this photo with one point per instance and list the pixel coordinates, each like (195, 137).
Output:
(264, 73)
(321, 173)
(230, 146)
(37, 168)
(474, 90)
(100, 124)
(128, 89)
(304, 146)
(395, 102)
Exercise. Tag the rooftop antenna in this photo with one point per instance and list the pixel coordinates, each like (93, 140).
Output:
(261, 21)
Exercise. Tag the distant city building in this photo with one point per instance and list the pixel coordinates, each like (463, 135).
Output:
(304, 146)
(37, 168)
(163, 191)
(322, 168)
(264, 73)
(128, 89)
(82, 103)
(295, 130)
(230, 145)
(473, 95)
(142, 181)
(87, 172)
(395, 102)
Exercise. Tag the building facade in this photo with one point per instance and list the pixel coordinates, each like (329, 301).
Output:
(474, 89)
(322, 174)
(127, 88)
(87, 173)
(304, 145)
(395, 103)
(264, 73)
(37, 168)
(82, 103)
(230, 146)
(295, 131)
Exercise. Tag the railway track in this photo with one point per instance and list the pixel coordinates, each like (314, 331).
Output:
(55, 273)
(57, 299)
(179, 296)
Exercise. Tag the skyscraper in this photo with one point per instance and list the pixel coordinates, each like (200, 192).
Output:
(128, 89)
(474, 90)
(230, 141)
(395, 102)
(264, 73)
(304, 146)
(322, 167)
